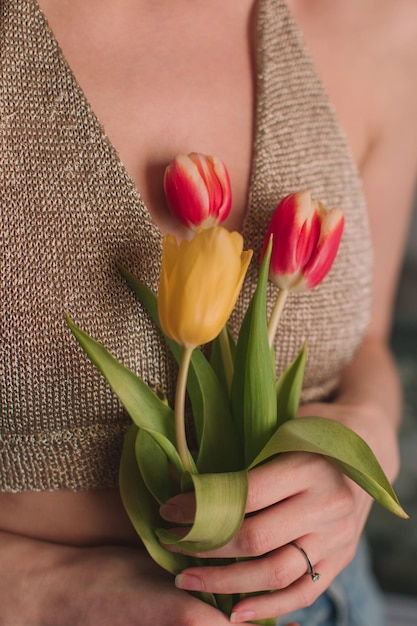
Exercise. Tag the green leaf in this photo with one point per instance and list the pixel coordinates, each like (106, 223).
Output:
(143, 509)
(342, 447)
(144, 407)
(216, 357)
(253, 395)
(218, 440)
(289, 388)
(154, 467)
(220, 444)
(220, 509)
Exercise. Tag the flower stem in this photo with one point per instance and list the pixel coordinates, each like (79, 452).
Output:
(226, 357)
(180, 435)
(276, 314)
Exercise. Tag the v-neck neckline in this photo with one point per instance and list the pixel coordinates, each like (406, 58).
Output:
(247, 214)
(262, 64)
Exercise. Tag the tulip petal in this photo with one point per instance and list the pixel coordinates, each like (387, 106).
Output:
(198, 292)
(309, 237)
(224, 202)
(327, 247)
(170, 253)
(186, 192)
(212, 184)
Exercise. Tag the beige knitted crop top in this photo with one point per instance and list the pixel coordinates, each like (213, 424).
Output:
(69, 211)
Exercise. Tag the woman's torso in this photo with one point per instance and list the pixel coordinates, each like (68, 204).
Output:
(218, 118)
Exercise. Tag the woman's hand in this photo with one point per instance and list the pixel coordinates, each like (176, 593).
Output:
(294, 498)
(302, 498)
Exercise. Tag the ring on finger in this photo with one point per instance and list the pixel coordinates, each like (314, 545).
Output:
(315, 576)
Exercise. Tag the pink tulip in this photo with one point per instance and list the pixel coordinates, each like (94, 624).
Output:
(306, 238)
(197, 189)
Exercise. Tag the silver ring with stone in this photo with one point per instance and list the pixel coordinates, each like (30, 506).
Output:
(314, 575)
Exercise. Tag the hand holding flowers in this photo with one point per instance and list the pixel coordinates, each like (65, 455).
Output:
(243, 417)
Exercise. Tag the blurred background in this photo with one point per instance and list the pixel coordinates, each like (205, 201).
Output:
(394, 541)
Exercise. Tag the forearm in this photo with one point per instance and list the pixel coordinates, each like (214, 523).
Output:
(372, 379)
(26, 566)
(50, 584)
(371, 382)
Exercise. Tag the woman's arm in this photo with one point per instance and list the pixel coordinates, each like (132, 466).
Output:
(51, 584)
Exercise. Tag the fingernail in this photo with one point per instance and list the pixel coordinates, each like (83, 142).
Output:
(188, 582)
(171, 512)
(241, 616)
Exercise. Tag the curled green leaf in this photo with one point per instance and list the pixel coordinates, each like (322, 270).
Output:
(143, 509)
(220, 509)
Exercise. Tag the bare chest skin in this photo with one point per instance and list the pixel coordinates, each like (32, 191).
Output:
(165, 78)
(168, 77)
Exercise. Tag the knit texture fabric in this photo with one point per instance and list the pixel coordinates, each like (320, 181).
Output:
(69, 212)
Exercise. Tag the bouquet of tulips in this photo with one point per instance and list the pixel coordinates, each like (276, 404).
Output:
(242, 415)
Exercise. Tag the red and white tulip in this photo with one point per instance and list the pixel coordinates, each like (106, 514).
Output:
(306, 239)
(197, 190)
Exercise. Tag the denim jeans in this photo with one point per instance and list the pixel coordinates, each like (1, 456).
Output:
(353, 599)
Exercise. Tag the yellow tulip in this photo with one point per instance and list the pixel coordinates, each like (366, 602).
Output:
(199, 284)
